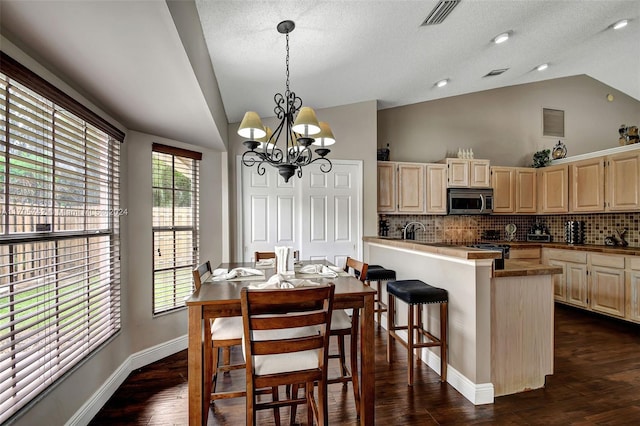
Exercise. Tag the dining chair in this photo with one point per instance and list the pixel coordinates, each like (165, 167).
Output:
(286, 341)
(342, 325)
(261, 255)
(226, 333)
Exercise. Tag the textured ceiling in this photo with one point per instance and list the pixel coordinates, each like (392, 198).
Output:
(146, 62)
(349, 51)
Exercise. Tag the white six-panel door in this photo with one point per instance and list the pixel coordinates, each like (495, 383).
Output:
(319, 214)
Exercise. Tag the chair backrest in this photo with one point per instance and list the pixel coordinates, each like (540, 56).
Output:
(201, 273)
(272, 321)
(260, 255)
(359, 268)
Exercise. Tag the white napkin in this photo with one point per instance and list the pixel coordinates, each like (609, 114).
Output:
(223, 274)
(282, 259)
(319, 270)
(266, 262)
(279, 281)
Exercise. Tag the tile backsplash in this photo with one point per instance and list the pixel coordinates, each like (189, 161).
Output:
(469, 229)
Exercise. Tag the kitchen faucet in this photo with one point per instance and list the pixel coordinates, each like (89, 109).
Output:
(404, 230)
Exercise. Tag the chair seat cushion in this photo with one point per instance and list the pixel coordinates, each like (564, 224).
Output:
(227, 328)
(281, 363)
(416, 292)
(340, 320)
(379, 273)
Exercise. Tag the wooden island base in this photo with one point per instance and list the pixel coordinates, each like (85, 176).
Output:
(501, 326)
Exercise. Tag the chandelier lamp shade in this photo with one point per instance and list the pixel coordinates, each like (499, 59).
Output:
(289, 146)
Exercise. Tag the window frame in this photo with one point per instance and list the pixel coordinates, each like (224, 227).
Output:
(181, 272)
(60, 281)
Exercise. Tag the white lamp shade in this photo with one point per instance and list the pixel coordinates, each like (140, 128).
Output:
(306, 122)
(264, 140)
(325, 137)
(251, 126)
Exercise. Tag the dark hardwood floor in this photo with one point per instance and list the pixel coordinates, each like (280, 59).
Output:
(596, 382)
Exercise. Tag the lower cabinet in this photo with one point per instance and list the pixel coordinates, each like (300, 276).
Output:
(633, 289)
(604, 283)
(607, 284)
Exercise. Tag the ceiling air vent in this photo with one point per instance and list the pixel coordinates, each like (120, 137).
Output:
(440, 12)
(496, 72)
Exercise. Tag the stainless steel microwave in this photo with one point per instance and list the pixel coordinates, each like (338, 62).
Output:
(469, 201)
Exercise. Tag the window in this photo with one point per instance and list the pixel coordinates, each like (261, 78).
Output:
(175, 225)
(59, 236)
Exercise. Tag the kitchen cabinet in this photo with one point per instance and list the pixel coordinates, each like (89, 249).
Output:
(436, 195)
(411, 188)
(623, 181)
(553, 189)
(587, 185)
(468, 173)
(386, 187)
(632, 305)
(514, 190)
(603, 183)
(504, 194)
(571, 286)
(531, 254)
(605, 283)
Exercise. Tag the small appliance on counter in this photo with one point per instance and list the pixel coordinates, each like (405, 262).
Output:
(510, 231)
(539, 233)
(574, 231)
(502, 248)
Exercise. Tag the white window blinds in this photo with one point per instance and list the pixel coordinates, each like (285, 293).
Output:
(59, 242)
(175, 225)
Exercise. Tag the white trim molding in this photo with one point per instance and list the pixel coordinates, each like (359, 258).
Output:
(92, 406)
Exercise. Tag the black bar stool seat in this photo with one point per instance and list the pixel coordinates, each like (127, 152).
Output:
(416, 293)
(378, 273)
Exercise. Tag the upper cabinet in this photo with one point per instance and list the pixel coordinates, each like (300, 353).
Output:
(386, 187)
(606, 183)
(587, 185)
(514, 190)
(553, 189)
(412, 188)
(436, 196)
(468, 173)
(623, 181)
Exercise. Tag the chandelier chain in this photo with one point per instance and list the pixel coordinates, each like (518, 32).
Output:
(287, 62)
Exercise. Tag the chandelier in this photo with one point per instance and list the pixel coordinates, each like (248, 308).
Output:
(296, 132)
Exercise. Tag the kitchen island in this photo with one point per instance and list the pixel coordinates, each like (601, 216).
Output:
(500, 321)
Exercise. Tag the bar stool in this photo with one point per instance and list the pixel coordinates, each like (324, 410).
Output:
(416, 293)
(378, 274)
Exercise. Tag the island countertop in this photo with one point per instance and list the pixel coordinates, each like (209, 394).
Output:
(512, 268)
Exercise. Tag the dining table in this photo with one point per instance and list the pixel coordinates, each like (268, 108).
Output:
(221, 298)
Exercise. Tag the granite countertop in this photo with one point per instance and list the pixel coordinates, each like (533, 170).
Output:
(444, 249)
(629, 251)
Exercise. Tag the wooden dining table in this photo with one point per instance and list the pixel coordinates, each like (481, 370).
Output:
(215, 299)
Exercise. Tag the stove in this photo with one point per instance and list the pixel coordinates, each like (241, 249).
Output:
(502, 248)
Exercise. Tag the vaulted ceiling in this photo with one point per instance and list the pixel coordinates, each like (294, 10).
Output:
(183, 69)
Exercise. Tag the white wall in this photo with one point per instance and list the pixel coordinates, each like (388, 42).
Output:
(505, 125)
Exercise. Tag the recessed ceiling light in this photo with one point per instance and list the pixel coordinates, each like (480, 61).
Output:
(620, 24)
(442, 83)
(542, 67)
(501, 38)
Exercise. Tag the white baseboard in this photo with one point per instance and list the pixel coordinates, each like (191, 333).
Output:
(476, 393)
(93, 405)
